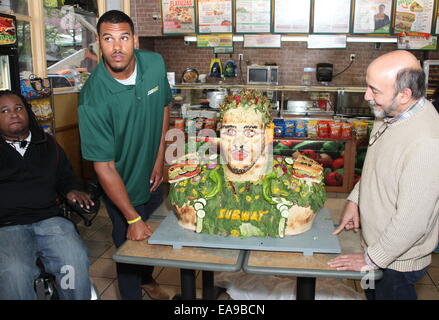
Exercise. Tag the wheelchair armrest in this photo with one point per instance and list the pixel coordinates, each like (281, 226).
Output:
(74, 206)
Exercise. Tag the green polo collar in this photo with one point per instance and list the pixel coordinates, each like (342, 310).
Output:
(111, 83)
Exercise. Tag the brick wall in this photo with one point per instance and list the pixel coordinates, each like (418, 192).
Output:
(291, 59)
(142, 13)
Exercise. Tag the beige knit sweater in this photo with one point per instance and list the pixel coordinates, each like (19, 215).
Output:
(398, 194)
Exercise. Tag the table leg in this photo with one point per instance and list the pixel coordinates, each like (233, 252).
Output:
(188, 291)
(306, 288)
(208, 287)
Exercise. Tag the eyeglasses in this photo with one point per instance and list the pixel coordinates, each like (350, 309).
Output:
(378, 134)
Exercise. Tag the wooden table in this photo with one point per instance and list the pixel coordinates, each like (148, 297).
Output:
(307, 268)
(188, 259)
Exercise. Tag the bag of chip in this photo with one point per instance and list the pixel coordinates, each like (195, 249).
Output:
(300, 128)
(179, 124)
(346, 130)
(334, 129)
(289, 128)
(311, 129)
(323, 129)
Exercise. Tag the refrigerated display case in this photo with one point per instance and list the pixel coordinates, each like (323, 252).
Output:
(9, 74)
(431, 69)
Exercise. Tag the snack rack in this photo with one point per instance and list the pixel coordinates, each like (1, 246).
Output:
(38, 92)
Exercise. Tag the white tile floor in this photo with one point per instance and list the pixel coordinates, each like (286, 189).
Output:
(103, 269)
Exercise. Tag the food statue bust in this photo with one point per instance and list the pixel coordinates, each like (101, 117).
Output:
(248, 193)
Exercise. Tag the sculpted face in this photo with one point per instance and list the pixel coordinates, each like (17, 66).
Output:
(242, 139)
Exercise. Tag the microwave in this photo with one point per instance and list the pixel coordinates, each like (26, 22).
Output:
(262, 75)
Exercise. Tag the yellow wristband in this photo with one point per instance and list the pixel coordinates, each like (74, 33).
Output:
(134, 220)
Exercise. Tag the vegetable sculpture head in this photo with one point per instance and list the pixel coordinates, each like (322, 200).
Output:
(244, 151)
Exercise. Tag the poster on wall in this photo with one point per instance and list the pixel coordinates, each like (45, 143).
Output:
(215, 40)
(178, 16)
(8, 33)
(262, 41)
(436, 30)
(372, 16)
(414, 15)
(323, 41)
(416, 41)
(215, 16)
(332, 16)
(253, 16)
(292, 17)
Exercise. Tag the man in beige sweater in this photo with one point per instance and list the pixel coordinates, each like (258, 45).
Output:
(396, 202)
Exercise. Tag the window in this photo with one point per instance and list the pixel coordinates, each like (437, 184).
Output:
(17, 6)
(24, 46)
(71, 48)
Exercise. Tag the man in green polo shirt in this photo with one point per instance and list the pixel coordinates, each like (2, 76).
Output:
(123, 118)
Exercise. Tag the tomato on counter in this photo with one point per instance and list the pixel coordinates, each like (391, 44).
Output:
(338, 163)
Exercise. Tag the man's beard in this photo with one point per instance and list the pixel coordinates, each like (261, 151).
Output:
(381, 113)
(241, 170)
(116, 69)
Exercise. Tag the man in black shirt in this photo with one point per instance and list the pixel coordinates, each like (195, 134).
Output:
(34, 171)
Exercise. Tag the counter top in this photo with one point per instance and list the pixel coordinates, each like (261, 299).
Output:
(202, 86)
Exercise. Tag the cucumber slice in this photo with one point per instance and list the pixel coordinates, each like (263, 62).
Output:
(284, 213)
(199, 225)
(198, 206)
(203, 201)
(283, 208)
(289, 160)
(201, 214)
(281, 227)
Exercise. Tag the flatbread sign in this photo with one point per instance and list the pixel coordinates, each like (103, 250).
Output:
(7, 31)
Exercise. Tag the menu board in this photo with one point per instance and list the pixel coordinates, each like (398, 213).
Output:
(332, 16)
(372, 16)
(292, 16)
(178, 16)
(215, 16)
(414, 15)
(253, 16)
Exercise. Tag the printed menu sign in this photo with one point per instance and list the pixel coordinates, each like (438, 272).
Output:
(292, 16)
(214, 16)
(372, 16)
(253, 16)
(332, 16)
(414, 15)
(215, 40)
(262, 41)
(178, 16)
(416, 41)
(7, 31)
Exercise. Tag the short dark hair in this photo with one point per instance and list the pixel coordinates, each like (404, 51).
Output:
(413, 79)
(17, 94)
(115, 16)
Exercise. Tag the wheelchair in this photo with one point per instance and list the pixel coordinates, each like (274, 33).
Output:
(44, 285)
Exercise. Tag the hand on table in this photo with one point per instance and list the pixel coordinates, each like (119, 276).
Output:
(350, 218)
(349, 262)
(138, 231)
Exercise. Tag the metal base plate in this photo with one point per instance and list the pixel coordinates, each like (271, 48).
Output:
(317, 240)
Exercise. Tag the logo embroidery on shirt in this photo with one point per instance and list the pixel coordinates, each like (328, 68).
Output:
(153, 90)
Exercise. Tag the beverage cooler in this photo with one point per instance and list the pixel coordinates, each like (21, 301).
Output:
(9, 74)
